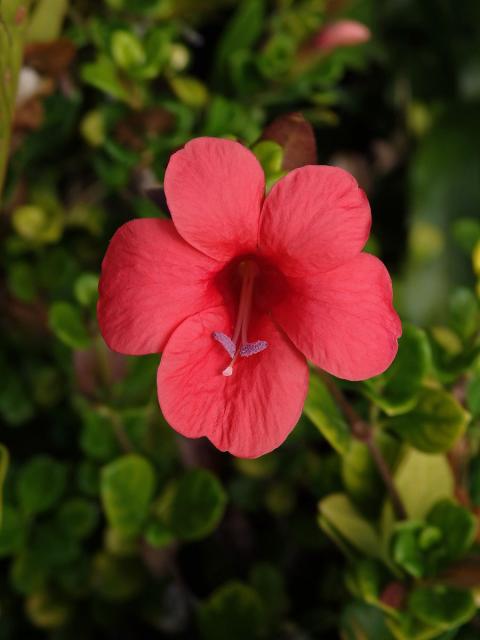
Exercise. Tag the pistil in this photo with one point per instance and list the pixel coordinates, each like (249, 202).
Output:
(232, 346)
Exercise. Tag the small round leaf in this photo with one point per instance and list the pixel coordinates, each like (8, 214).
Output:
(234, 612)
(197, 506)
(41, 483)
(66, 323)
(441, 606)
(127, 487)
(434, 424)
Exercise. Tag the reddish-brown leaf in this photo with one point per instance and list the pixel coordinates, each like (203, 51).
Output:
(394, 595)
(50, 58)
(296, 136)
(139, 126)
(29, 116)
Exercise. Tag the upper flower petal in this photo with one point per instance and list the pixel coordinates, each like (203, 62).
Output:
(314, 219)
(249, 413)
(343, 320)
(214, 191)
(151, 280)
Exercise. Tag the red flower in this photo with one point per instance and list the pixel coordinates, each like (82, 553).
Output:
(343, 33)
(239, 289)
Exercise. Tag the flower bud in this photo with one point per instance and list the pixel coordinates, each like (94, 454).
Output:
(343, 33)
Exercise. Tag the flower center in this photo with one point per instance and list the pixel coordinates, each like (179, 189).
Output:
(238, 345)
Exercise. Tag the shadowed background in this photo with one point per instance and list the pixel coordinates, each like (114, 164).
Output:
(113, 526)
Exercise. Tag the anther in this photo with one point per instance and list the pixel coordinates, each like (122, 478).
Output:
(248, 271)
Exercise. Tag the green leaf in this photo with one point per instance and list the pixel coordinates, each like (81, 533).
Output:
(190, 91)
(97, 438)
(27, 572)
(321, 409)
(48, 387)
(119, 544)
(441, 606)
(12, 532)
(52, 547)
(158, 535)
(241, 34)
(41, 483)
(67, 324)
(160, 51)
(15, 400)
(92, 129)
(39, 224)
(46, 611)
(127, 487)
(102, 74)
(360, 621)
(466, 232)
(434, 424)
(451, 357)
(341, 516)
(197, 505)
(397, 389)
(458, 526)
(86, 289)
(88, 478)
(78, 517)
(269, 583)
(405, 548)
(365, 579)
(127, 50)
(21, 279)
(463, 312)
(360, 474)
(270, 156)
(277, 56)
(46, 21)
(4, 461)
(116, 579)
(473, 394)
(474, 480)
(227, 117)
(233, 612)
(421, 480)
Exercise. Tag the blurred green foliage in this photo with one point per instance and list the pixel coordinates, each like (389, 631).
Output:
(112, 525)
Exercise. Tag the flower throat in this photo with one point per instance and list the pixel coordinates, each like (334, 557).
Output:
(238, 345)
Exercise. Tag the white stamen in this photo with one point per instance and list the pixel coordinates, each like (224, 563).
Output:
(248, 270)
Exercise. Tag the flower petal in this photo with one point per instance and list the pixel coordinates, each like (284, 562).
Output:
(313, 220)
(343, 320)
(215, 190)
(151, 281)
(249, 413)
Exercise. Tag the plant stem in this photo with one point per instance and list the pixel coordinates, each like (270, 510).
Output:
(13, 22)
(387, 478)
(118, 429)
(363, 432)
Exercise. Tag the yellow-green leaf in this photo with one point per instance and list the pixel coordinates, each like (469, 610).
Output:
(434, 424)
(321, 409)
